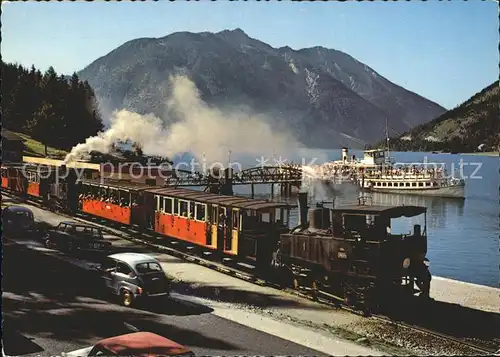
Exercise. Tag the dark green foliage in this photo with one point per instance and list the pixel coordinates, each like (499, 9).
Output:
(58, 112)
(478, 123)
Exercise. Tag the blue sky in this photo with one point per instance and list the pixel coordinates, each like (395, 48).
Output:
(445, 51)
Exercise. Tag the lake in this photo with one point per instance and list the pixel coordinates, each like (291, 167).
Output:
(463, 235)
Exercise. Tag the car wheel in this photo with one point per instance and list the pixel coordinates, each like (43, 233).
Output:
(127, 298)
(48, 244)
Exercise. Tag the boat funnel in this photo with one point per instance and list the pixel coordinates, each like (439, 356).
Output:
(345, 154)
(302, 203)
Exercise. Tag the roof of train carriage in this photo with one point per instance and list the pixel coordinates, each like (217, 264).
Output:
(117, 184)
(27, 166)
(391, 211)
(234, 201)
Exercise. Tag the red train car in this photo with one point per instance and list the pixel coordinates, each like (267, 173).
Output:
(33, 185)
(5, 178)
(115, 200)
(237, 226)
(13, 179)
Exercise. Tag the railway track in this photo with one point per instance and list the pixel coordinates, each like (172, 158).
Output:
(210, 260)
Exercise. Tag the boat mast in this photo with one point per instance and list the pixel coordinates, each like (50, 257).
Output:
(387, 139)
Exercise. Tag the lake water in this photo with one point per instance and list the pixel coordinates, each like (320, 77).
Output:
(463, 235)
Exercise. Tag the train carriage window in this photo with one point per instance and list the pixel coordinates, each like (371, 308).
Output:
(102, 193)
(209, 213)
(183, 208)
(130, 198)
(192, 209)
(200, 212)
(112, 196)
(420, 184)
(215, 214)
(161, 204)
(236, 219)
(168, 205)
(414, 184)
(176, 206)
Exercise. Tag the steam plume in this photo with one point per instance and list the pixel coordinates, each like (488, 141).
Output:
(198, 128)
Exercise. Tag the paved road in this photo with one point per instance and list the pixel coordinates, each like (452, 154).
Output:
(50, 307)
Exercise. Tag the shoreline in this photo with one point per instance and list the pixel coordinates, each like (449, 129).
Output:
(488, 153)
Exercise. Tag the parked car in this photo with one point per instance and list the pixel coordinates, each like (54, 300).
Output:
(77, 237)
(134, 344)
(134, 277)
(18, 220)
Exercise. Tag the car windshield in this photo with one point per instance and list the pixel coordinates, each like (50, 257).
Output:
(149, 267)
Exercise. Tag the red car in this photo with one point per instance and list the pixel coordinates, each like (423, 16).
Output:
(135, 344)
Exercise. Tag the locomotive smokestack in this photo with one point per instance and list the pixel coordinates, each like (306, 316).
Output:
(302, 202)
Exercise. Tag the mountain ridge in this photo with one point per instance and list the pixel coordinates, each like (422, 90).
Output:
(465, 128)
(312, 91)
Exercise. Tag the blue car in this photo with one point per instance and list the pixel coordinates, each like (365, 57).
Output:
(18, 221)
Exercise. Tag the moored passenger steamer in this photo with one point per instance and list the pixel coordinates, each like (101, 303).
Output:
(378, 176)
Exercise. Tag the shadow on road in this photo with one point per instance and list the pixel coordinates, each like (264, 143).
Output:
(231, 295)
(15, 344)
(44, 296)
(451, 319)
(173, 306)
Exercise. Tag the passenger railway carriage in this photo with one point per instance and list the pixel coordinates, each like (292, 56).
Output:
(13, 178)
(233, 225)
(114, 200)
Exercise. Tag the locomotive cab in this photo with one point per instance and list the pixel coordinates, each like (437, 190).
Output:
(396, 260)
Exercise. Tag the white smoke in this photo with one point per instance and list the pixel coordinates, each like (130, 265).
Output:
(204, 131)
(316, 185)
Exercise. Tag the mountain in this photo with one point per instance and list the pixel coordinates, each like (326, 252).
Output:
(324, 97)
(462, 129)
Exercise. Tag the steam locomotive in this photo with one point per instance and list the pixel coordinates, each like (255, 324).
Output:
(351, 252)
(348, 251)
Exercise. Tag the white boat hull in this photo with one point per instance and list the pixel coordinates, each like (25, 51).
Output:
(455, 191)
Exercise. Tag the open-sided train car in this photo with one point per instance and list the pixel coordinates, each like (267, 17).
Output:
(115, 200)
(232, 225)
(350, 251)
(54, 186)
(13, 178)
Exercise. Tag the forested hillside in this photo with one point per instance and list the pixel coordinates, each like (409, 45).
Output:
(57, 111)
(462, 129)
